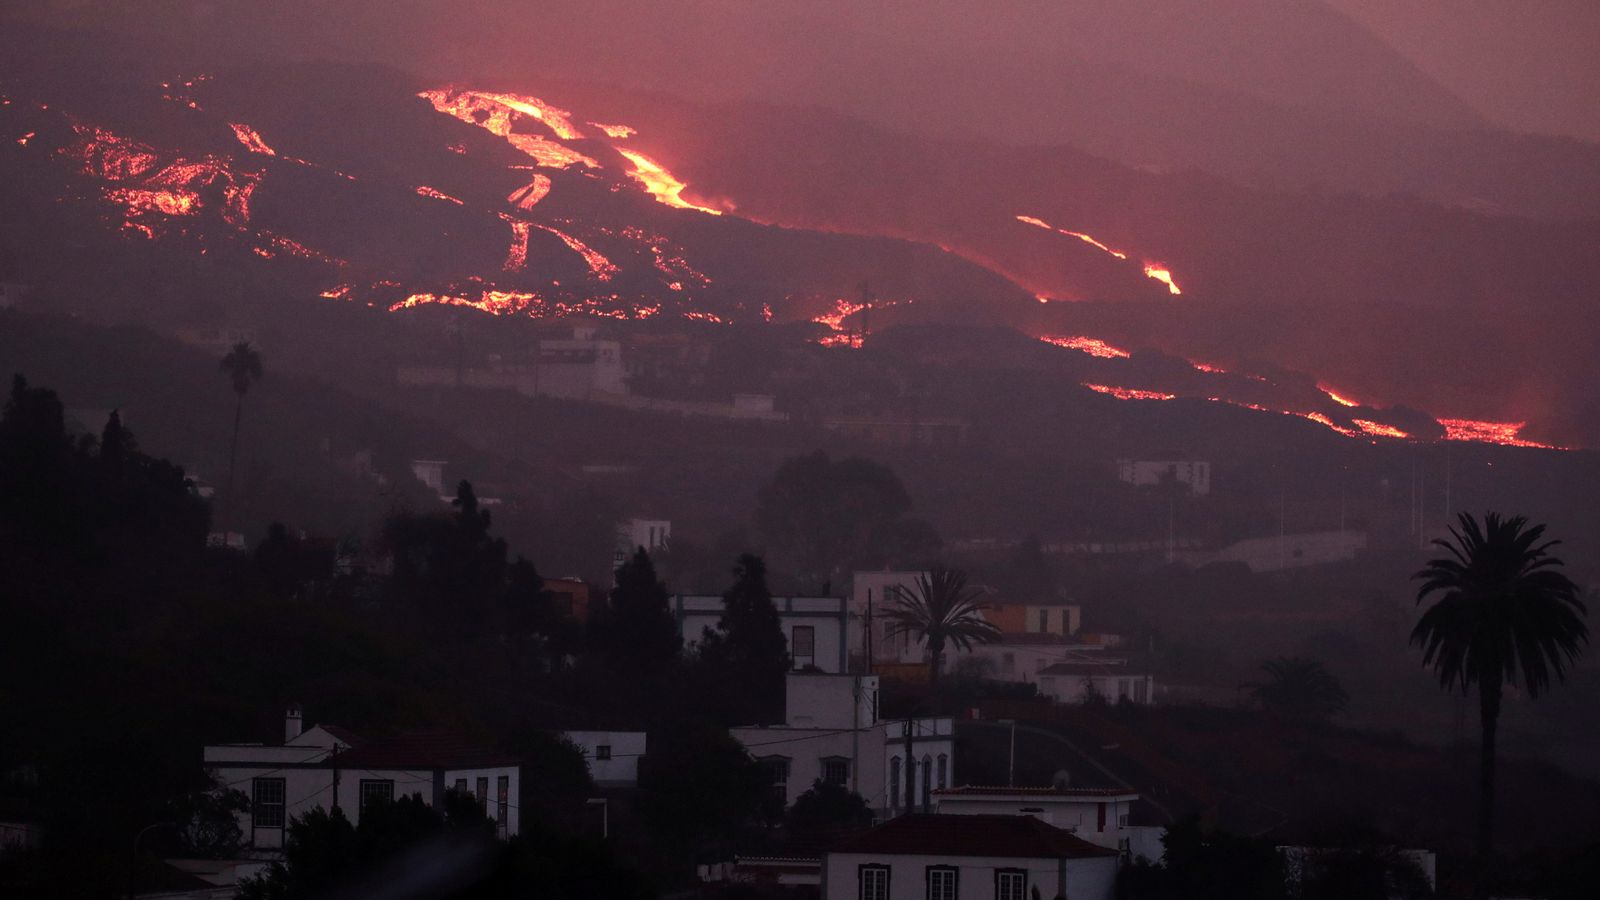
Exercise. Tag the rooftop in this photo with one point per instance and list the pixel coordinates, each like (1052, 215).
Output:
(1008, 837)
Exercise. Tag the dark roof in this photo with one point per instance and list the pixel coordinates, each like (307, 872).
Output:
(341, 733)
(424, 750)
(971, 790)
(1009, 837)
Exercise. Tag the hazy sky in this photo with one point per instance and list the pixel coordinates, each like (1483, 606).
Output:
(1533, 65)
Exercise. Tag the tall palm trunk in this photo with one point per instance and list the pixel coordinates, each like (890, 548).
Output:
(1489, 710)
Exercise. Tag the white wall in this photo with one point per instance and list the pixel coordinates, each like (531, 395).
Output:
(931, 739)
(821, 614)
(626, 748)
(881, 586)
(1087, 879)
(806, 748)
(815, 700)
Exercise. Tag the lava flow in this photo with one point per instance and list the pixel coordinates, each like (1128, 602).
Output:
(1503, 433)
(1089, 345)
(1154, 270)
(498, 113)
(1122, 393)
(435, 193)
(660, 183)
(251, 139)
(1335, 397)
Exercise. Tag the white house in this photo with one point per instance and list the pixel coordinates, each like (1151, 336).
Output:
(971, 857)
(1195, 474)
(581, 367)
(431, 473)
(871, 595)
(1100, 816)
(1109, 677)
(1286, 551)
(832, 732)
(330, 767)
(815, 627)
(654, 535)
(613, 755)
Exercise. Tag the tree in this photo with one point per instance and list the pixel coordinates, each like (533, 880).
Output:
(698, 787)
(825, 812)
(824, 517)
(748, 654)
(1300, 688)
(942, 610)
(638, 631)
(242, 365)
(450, 568)
(207, 820)
(1504, 614)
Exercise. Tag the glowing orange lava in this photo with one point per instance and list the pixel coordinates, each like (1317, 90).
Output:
(1335, 397)
(1089, 345)
(251, 139)
(517, 253)
(1504, 433)
(660, 183)
(1154, 270)
(529, 195)
(425, 191)
(599, 266)
(498, 113)
(1321, 419)
(1163, 275)
(1378, 429)
(1122, 393)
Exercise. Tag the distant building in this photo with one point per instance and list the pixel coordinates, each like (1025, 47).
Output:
(218, 339)
(582, 367)
(571, 596)
(1101, 816)
(968, 857)
(815, 627)
(1192, 473)
(871, 595)
(330, 767)
(653, 535)
(1097, 676)
(431, 473)
(1289, 551)
(901, 431)
(613, 755)
(832, 732)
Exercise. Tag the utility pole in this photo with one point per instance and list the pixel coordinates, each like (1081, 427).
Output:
(855, 737)
(867, 638)
(911, 769)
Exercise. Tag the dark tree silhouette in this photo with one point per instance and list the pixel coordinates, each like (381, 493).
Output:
(242, 365)
(747, 653)
(1505, 614)
(1300, 688)
(942, 610)
(637, 631)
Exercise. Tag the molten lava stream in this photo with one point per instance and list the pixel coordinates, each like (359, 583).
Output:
(1092, 346)
(1503, 433)
(660, 183)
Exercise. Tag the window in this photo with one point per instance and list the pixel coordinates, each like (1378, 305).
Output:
(942, 882)
(502, 790)
(375, 790)
(927, 782)
(874, 882)
(602, 751)
(944, 771)
(1138, 690)
(803, 645)
(894, 782)
(836, 770)
(461, 786)
(1010, 884)
(267, 802)
(483, 792)
(776, 769)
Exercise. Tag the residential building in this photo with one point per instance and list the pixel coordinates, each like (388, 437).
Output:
(613, 755)
(582, 367)
(1101, 816)
(871, 595)
(431, 473)
(832, 732)
(571, 596)
(653, 535)
(1061, 618)
(1193, 474)
(328, 766)
(1097, 676)
(815, 627)
(968, 857)
(901, 430)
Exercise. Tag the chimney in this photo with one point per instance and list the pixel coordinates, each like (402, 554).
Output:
(291, 723)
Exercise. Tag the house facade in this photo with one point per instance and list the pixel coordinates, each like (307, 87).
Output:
(832, 732)
(613, 756)
(976, 857)
(1101, 816)
(815, 627)
(1193, 474)
(330, 767)
(1097, 676)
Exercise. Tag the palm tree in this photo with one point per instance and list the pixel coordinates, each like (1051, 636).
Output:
(942, 610)
(1504, 613)
(243, 366)
(1300, 688)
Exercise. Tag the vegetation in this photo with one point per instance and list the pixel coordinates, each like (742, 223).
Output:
(1505, 614)
(942, 610)
(1300, 688)
(242, 365)
(747, 656)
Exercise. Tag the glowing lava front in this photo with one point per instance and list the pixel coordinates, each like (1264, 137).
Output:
(1154, 270)
(1122, 393)
(1089, 345)
(660, 183)
(1503, 433)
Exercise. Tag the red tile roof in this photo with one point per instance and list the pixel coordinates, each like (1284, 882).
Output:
(1008, 837)
(424, 750)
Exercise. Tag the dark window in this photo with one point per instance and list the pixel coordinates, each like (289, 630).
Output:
(502, 790)
(927, 783)
(1010, 884)
(376, 791)
(776, 770)
(944, 771)
(894, 782)
(267, 802)
(836, 770)
(803, 646)
(483, 792)
(874, 881)
(942, 882)
(602, 751)
(461, 786)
